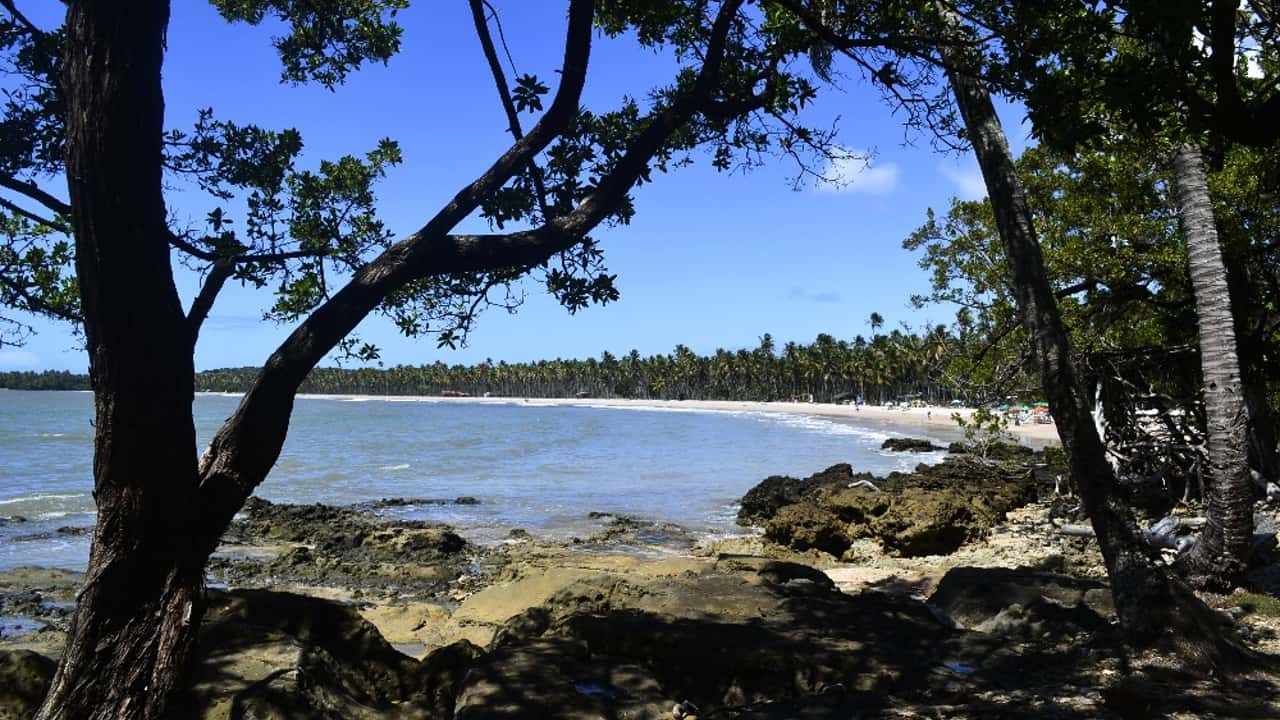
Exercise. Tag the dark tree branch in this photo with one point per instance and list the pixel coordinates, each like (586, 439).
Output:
(187, 247)
(502, 35)
(219, 272)
(22, 19)
(1222, 60)
(913, 44)
(199, 253)
(1256, 124)
(504, 94)
(30, 190)
(51, 224)
(1068, 291)
(246, 447)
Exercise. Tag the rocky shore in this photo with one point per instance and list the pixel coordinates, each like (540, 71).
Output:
(946, 592)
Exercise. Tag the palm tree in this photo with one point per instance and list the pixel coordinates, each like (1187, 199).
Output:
(1221, 556)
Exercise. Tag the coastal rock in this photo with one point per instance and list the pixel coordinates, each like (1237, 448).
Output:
(924, 522)
(628, 530)
(742, 632)
(997, 451)
(38, 601)
(776, 492)
(24, 680)
(320, 545)
(278, 655)
(806, 526)
(409, 502)
(1022, 602)
(910, 445)
(931, 511)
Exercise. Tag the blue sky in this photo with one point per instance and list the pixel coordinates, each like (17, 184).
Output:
(710, 259)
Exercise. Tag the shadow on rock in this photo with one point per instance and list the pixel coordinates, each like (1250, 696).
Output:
(743, 635)
(272, 655)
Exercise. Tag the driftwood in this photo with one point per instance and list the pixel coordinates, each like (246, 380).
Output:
(865, 484)
(1163, 534)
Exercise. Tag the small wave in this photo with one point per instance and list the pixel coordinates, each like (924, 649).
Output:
(812, 423)
(55, 514)
(50, 435)
(33, 498)
(402, 466)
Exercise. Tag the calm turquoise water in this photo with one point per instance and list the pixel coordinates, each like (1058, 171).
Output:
(538, 468)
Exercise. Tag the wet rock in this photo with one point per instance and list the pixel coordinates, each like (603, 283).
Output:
(12, 520)
(38, 603)
(320, 545)
(65, 531)
(628, 530)
(910, 445)
(32, 604)
(24, 679)
(409, 502)
(1022, 602)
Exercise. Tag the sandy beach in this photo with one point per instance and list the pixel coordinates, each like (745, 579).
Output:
(926, 418)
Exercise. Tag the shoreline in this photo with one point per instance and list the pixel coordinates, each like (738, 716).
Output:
(925, 418)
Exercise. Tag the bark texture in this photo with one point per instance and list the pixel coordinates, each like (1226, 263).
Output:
(134, 624)
(1221, 556)
(1152, 607)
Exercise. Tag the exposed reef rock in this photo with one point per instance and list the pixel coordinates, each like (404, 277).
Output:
(910, 445)
(931, 511)
(320, 545)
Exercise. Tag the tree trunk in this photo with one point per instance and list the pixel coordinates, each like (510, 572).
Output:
(1221, 556)
(134, 624)
(1153, 608)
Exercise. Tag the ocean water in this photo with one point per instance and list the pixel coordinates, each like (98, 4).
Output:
(540, 468)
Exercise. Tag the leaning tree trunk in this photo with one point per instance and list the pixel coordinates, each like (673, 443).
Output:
(1221, 556)
(133, 626)
(1153, 608)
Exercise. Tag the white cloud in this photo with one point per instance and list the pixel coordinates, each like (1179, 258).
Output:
(966, 177)
(855, 171)
(18, 360)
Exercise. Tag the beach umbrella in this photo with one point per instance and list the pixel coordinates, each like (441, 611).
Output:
(1002, 408)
